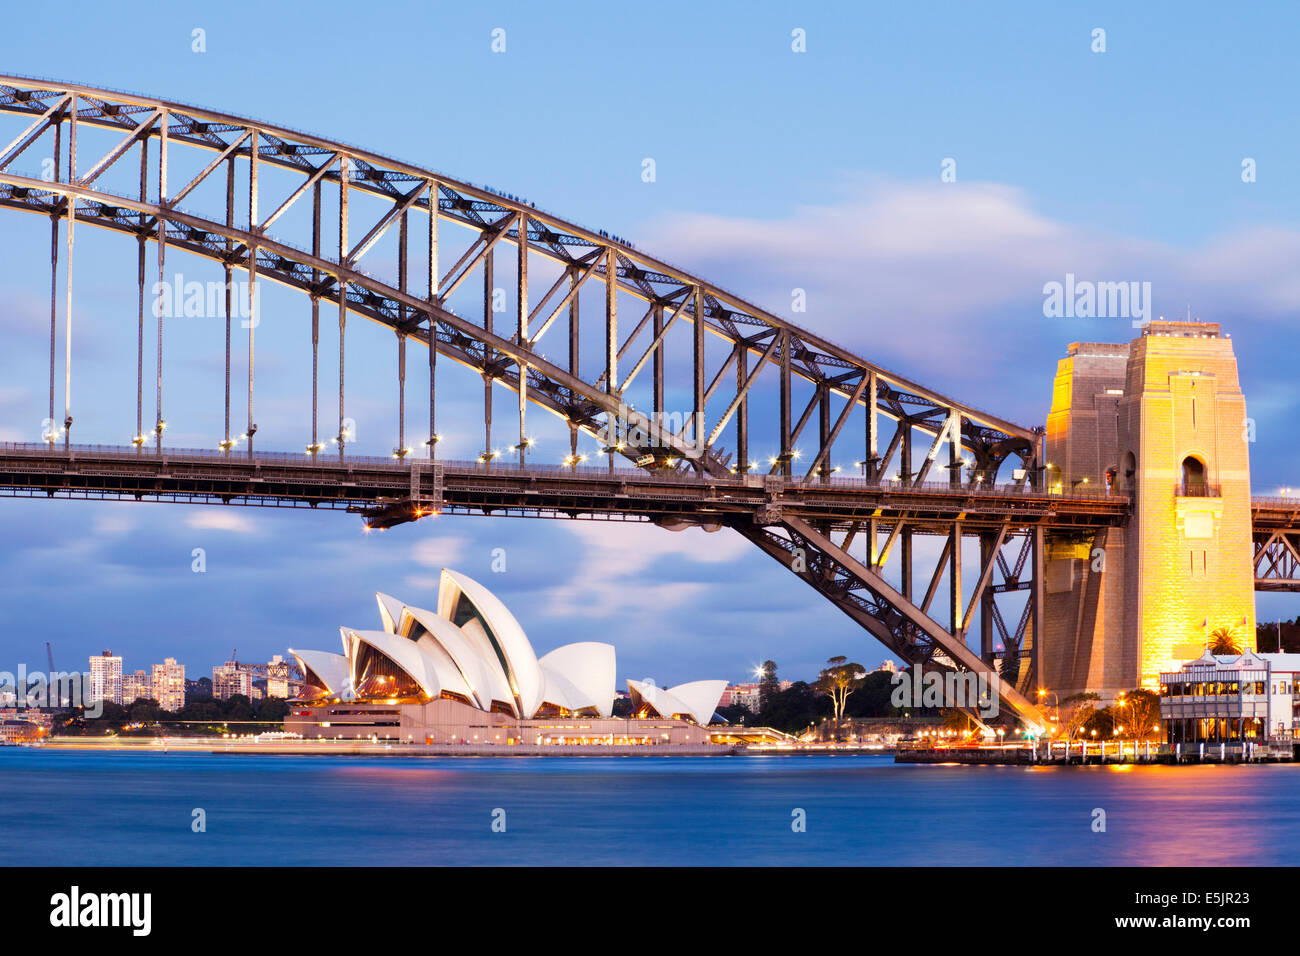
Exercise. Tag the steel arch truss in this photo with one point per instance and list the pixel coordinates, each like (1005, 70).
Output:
(860, 590)
(1277, 560)
(237, 235)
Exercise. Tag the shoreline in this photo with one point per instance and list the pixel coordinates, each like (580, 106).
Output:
(332, 748)
(366, 748)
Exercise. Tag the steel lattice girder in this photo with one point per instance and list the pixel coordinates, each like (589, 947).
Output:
(1277, 560)
(753, 333)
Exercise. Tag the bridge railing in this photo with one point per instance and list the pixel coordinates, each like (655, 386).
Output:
(1287, 502)
(324, 460)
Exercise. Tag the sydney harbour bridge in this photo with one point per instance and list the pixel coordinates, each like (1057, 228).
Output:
(272, 205)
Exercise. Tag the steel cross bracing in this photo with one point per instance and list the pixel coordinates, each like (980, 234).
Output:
(1276, 535)
(860, 590)
(735, 352)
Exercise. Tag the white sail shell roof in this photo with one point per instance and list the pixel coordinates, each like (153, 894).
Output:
(390, 612)
(510, 644)
(333, 669)
(559, 691)
(656, 697)
(473, 656)
(700, 697)
(449, 675)
(697, 700)
(407, 655)
(590, 667)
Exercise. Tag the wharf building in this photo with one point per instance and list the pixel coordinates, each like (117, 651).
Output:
(466, 674)
(1232, 699)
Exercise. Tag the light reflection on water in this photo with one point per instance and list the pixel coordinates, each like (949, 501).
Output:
(136, 809)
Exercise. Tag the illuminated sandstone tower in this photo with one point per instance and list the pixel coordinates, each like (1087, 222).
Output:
(1163, 420)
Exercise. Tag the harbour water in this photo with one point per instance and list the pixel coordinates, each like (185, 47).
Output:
(77, 808)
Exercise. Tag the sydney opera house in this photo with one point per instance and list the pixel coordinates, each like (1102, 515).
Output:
(466, 675)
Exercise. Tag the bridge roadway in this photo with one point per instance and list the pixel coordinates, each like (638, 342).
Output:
(387, 492)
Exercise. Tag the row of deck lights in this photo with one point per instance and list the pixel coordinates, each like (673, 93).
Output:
(570, 461)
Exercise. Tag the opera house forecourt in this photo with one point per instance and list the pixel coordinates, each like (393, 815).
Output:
(466, 676)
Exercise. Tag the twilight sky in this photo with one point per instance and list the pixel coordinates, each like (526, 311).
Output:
(775, 170)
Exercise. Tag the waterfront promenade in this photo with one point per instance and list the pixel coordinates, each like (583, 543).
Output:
(1090, 753)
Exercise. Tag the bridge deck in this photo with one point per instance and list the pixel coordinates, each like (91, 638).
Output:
(390, 491)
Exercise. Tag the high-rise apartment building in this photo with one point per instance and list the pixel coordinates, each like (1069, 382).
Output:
(169, 684)
(229, 679)
(106, 677)
(136, 686)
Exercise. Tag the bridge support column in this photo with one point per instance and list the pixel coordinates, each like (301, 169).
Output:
(521, 298)
(785, 403)
(315, 325)
(344, 172)
(988, 556)
(252, 281)
(433, 280)
(52, 432)
(67, 315)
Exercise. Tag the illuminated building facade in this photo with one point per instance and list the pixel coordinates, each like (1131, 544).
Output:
(467, 674)
(229, 679)
(106, 677)
(1163, 420)
(136, 686)
(169, 684)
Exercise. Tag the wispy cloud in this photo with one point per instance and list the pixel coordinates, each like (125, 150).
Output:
(222, 519)
(637, 569)
(439, 552)
(961, 260)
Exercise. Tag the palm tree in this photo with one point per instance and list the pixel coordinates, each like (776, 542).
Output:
(1224, 641)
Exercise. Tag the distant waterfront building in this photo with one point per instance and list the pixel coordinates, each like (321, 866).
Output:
(169, 684)
(18, 731)
(106, 678)
(277, 678)
(740, 695)
(229, 679)
(136, 686)
(1231, 698)
(43, 719)
(746, 695)
(889, 667)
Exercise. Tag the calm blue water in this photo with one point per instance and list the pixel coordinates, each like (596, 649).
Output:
(128, 809)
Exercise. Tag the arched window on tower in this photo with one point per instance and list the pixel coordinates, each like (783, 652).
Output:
(1194, 485)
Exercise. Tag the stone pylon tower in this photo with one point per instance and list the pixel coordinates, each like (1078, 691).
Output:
(1162, 420)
